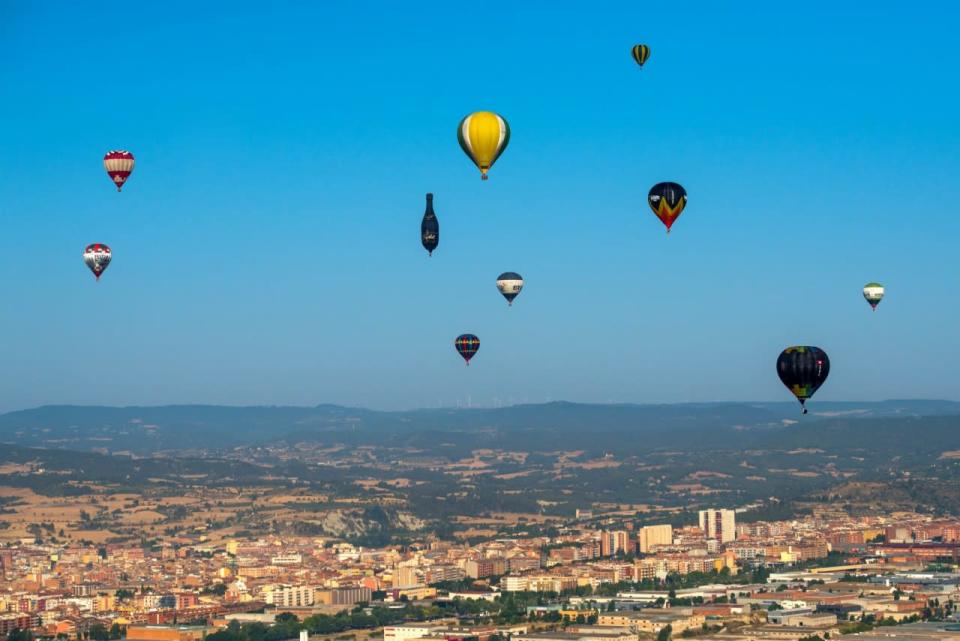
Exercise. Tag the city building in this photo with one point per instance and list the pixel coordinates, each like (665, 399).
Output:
(651, 535)
(343, 596)
(289, 596)
(612, 543)
(479, 568)
(719, 524)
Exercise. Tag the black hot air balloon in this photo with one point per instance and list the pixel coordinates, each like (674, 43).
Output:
(429, 228)
(667, 201)
(467, 345)
(803, 369)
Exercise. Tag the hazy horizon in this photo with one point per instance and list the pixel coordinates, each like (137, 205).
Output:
(476, 406)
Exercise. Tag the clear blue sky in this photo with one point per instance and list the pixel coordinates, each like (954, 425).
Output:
(266, 249)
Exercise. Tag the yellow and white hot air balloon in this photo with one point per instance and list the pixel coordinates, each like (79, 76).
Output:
(483, 135)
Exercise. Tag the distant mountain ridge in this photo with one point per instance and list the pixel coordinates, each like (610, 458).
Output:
(148, 430)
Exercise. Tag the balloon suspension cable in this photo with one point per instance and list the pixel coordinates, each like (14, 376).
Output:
(509, 303)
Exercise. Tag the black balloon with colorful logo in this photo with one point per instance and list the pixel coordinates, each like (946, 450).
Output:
(803, 369)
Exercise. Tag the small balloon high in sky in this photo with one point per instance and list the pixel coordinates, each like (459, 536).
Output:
(119, 166)
(667, 200)
(873, 293)
(467, 346)
(429, 228)
(97, 258)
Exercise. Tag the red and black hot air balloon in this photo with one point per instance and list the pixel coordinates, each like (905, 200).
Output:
(467, 345)
(667, 201)
(97, 257)
(119, 166)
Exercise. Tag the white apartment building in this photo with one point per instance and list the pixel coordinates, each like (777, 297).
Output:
(288, 596)
(719, 524)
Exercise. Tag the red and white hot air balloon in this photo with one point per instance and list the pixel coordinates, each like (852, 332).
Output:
(97, 257)
(119, 166)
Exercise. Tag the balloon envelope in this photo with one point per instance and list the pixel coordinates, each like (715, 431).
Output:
(667, 201)
(873, 293)
(483, 136)
(640, 54)
(467, 345)
(430, 228)
(119, 166)
(509, 284)
(803, 369)
(97, 257)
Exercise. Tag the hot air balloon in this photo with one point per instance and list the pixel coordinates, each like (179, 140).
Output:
(430, 228)
(97, 257)
(803, 369)
(119, 166)
(509, 284)
(873, 292)
(640, 54)
(467, 345)
(667, 201)
(483, 135)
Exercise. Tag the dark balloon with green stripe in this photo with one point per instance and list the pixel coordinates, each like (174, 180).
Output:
(803, 369)
(640, 54)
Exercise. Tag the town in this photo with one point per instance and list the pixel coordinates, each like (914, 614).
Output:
(599, 577)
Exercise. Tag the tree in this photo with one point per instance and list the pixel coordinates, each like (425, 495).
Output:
(217, 588)
(664, 634)
(98, 632)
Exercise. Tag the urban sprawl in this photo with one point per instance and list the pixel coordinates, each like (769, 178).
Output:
(596, 579)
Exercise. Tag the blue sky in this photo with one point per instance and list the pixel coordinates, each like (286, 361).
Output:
(266, 248)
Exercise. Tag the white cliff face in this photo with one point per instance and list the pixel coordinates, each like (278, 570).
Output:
(347, 523)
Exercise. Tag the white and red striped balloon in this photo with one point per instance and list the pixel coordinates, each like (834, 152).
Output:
(119, 165)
